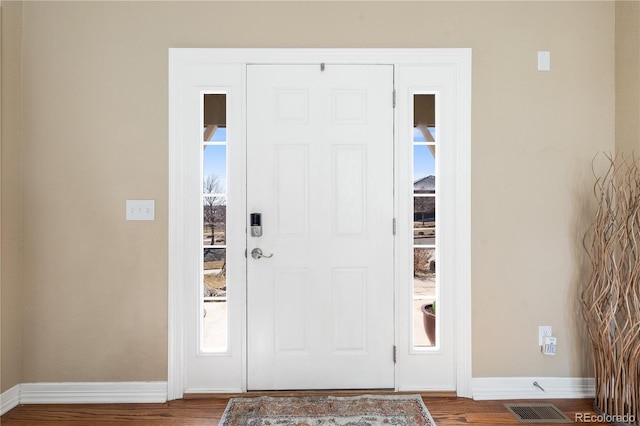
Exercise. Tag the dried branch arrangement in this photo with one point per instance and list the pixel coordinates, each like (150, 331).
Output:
(611, 299)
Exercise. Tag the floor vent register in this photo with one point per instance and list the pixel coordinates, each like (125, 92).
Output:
(537, 413)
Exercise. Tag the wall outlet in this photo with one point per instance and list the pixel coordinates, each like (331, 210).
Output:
(544, 331)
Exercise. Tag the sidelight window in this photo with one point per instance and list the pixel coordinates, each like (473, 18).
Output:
(214, 318)
(425, 198)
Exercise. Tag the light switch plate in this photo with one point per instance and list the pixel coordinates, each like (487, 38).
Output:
(141, 209)
(544, 60)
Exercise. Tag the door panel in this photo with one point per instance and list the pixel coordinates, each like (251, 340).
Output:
(320, 171)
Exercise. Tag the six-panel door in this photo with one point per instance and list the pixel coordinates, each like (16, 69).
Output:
(320, 172)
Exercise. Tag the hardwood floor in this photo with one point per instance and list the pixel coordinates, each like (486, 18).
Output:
(207, 411)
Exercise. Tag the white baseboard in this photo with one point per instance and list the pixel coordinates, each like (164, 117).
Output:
(9, 399)
(84, 393)
(496, 388)
(523, 388)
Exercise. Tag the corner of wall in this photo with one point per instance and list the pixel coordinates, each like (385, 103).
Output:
(10, 195)
(627, 77)
(0, 199)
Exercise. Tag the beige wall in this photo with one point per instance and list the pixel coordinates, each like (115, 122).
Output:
(628, 76)
(10, 274)
(95, 100)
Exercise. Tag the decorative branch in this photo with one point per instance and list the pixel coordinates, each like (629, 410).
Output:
(611, 298)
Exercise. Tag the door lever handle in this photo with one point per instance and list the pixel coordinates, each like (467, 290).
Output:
(256, 253)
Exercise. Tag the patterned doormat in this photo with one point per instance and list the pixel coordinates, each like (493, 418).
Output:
(364, 410)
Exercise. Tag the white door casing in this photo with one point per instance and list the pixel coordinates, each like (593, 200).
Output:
(320, 171)
(193, 70)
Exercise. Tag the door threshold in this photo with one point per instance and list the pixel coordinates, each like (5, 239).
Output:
(320, 392)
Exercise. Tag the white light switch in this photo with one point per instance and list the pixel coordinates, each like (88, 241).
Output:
(141, 209)
(544, 60)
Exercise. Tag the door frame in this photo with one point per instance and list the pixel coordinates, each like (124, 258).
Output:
(180, 60)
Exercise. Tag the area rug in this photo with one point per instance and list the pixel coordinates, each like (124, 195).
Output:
(364, 410)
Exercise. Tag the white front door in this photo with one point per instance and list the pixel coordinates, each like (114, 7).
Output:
(320, 303)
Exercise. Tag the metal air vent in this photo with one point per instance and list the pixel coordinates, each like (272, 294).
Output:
(537, 413)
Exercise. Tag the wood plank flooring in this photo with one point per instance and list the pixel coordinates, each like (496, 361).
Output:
(445, 410)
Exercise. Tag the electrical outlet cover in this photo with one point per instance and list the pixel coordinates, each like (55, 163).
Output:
(544, 331)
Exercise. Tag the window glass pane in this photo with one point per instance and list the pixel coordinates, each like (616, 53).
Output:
(214, 169)
(424, 118)
(220, 135)
(424, 272)
(424, 220)
(424, 295)
(215, 273)
(419, 135)
(424, 169)
(214, 220)
(214, 117)
(215, 134)
(214, 325)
